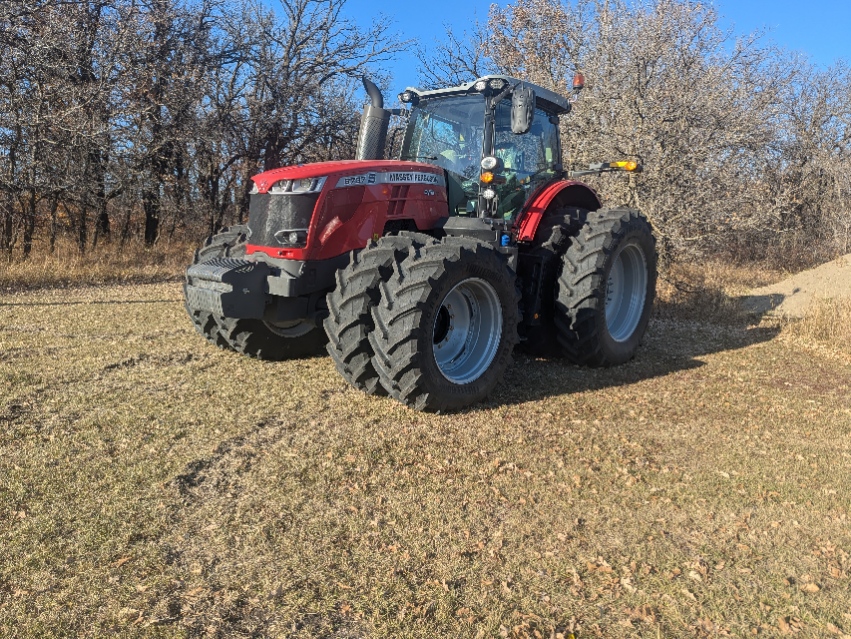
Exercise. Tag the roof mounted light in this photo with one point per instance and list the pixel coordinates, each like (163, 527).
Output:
(481, 85)
(409, 97)
(497, 84)
(578, 81)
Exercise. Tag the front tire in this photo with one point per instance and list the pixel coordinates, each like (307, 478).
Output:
(273, 342)
(606, 288)
(446, 325)
(229, 242)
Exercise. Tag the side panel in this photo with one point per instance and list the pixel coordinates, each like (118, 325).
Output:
(340, 229)
(561, 193)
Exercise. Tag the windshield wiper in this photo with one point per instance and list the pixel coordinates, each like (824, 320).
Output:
(419, 157)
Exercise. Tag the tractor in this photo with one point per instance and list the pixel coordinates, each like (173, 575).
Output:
(420, 274)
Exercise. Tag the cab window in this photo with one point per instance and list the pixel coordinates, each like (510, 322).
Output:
(529, 160)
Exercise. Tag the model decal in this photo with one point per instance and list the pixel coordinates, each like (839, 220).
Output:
(392, 177)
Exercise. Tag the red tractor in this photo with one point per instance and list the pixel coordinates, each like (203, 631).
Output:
(422, 273)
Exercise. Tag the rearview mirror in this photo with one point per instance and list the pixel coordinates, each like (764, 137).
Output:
(522, 109)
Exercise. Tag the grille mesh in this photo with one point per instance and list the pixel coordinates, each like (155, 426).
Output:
(269, 214)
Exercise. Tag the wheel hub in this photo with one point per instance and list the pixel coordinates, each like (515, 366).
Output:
(626, 291)
(467, 331)
(295, 328)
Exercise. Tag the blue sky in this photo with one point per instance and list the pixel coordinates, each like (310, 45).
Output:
(819, 28)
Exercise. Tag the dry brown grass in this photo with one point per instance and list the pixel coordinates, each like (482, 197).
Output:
(155, 486)
(826, 323)
(709, 291)
(106, 264)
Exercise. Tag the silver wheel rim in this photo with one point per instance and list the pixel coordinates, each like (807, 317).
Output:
(626, 292)
(296, 328)
(467, 331)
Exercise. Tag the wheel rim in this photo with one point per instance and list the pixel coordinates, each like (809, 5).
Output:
(467, 331)
(296, 328)
(626, 292)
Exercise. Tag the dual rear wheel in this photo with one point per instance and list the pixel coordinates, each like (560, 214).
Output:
(605, 289)
(432, 325)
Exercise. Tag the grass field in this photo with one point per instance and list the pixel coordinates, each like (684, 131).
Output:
(152, 485)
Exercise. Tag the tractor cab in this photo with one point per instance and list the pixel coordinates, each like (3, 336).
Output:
(496, 138)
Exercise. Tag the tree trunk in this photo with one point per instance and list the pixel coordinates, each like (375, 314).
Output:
(7, 226)
(125, 227)
(29, 223)
(152, 217)
(82, 229)
(54, 224)
(244, 199)
(98, 160)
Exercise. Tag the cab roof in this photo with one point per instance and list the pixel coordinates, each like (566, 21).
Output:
(546, 100)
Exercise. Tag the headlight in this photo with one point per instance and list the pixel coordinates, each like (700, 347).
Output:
(294, 238)
(302, 186)
(489, 163)
(281, 186)
(297, 187)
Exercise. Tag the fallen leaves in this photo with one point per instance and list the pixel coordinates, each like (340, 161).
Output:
(645, 614)
(789, 625)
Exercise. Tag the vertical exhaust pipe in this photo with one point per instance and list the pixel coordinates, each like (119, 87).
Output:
(373, 125)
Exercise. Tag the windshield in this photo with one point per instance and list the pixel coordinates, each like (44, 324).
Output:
(448, 132)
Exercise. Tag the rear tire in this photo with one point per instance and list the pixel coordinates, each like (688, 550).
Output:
(606, 288)
(229, 242)
(350, 305)
(446, 325)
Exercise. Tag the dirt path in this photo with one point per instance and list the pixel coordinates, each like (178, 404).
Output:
(793, 296)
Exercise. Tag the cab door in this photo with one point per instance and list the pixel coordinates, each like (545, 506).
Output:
(528, 160)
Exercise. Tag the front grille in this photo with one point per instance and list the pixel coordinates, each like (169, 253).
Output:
(269, 214)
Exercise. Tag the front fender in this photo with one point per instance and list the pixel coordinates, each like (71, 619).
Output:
(559, 194)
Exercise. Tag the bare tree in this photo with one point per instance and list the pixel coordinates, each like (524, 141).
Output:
(742, 143)
(456, 59)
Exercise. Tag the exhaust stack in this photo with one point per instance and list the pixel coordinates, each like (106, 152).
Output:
(373, 125)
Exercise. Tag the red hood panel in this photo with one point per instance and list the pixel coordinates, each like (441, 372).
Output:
(319, 169)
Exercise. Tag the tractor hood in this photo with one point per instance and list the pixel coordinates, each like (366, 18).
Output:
(359, 171)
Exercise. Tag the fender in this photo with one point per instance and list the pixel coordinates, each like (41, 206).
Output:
(560, 193)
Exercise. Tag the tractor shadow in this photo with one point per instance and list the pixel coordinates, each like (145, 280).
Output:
(681, 332)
